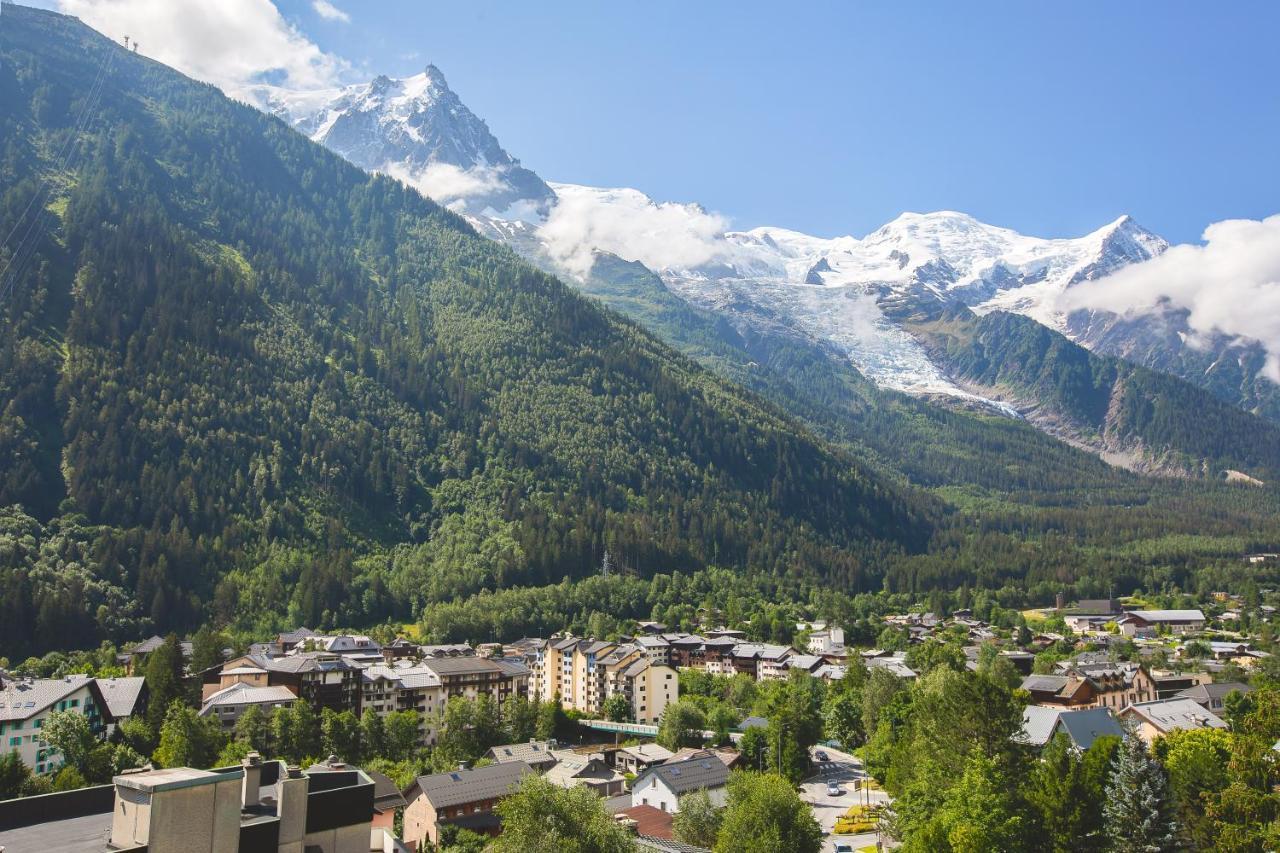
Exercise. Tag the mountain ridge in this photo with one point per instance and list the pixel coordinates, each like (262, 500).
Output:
(771, 267)
(245, 380)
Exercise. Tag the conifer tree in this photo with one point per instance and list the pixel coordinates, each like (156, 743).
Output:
(1138, 811)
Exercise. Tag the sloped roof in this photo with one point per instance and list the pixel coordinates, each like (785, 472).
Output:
(1087, 725)
(1213, 690)
(20, 700)
(461, 666)
(692, 774)
(532, 752)
(650, 821)
(1045, 683)
(386, 796)
(1038, 722)
(1169, 715)
(511, 667)
(408, 678)
(246, 694)
(121, 694)
(457, 787)
(1168, 615)
(648, 752)
(572, 769)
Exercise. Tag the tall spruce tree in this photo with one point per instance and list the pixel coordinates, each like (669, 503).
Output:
(165, 674)
(1138, 811)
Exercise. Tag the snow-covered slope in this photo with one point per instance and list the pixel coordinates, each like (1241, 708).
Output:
(846, 293)
(418, 130)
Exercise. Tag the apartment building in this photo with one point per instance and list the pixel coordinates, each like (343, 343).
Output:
(323, 679)
(470, 677)
(387, 689)
(25, 704)
(585, 673)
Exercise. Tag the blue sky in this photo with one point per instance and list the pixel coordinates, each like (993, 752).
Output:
(834, 117)
(826, 117)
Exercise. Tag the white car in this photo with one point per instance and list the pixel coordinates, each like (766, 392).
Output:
(844, 847)
(833, 789)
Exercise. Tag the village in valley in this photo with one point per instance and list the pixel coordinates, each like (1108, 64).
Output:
(415, 746)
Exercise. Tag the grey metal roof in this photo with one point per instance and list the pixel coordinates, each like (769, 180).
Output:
(1214, 690)
(692, 774)
(533, 752)
(1172, 714)
(511, 667)
(460, 666)
(648, 752)
(148, 645)
(1087, 725)
(245, 694)
(121, 694)
(1037, 724)
(20, 700)
(406, 678)
(457, 787)
(386, 795)
(1045, 683)
(1168, 615)
(573, 768)
(637, 667)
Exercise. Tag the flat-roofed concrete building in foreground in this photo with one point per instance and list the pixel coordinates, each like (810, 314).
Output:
(254, 808)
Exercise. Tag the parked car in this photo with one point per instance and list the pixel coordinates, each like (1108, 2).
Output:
(833, 789)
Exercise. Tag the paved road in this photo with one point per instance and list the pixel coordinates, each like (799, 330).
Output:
(844, 769)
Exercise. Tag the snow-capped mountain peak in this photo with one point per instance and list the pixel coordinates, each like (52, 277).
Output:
(417, 129)
(851, 294)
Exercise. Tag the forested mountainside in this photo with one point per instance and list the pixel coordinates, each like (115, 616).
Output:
(241, 380)
(234, 367)
(1152, 420)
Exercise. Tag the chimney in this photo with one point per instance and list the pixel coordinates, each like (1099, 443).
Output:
(292, 808)
(250, 791)
(177, 810)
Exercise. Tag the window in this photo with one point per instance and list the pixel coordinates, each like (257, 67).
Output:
(15, 741)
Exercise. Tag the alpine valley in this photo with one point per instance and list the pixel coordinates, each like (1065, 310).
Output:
(242, 380)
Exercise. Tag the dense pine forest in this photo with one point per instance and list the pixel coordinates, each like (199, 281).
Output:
(231, 348)
(243, 381)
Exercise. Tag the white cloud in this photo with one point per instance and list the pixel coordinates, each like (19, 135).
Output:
(1230, 285)
(446, 183)
(330, 12)
(632, 226)
(230, 43)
